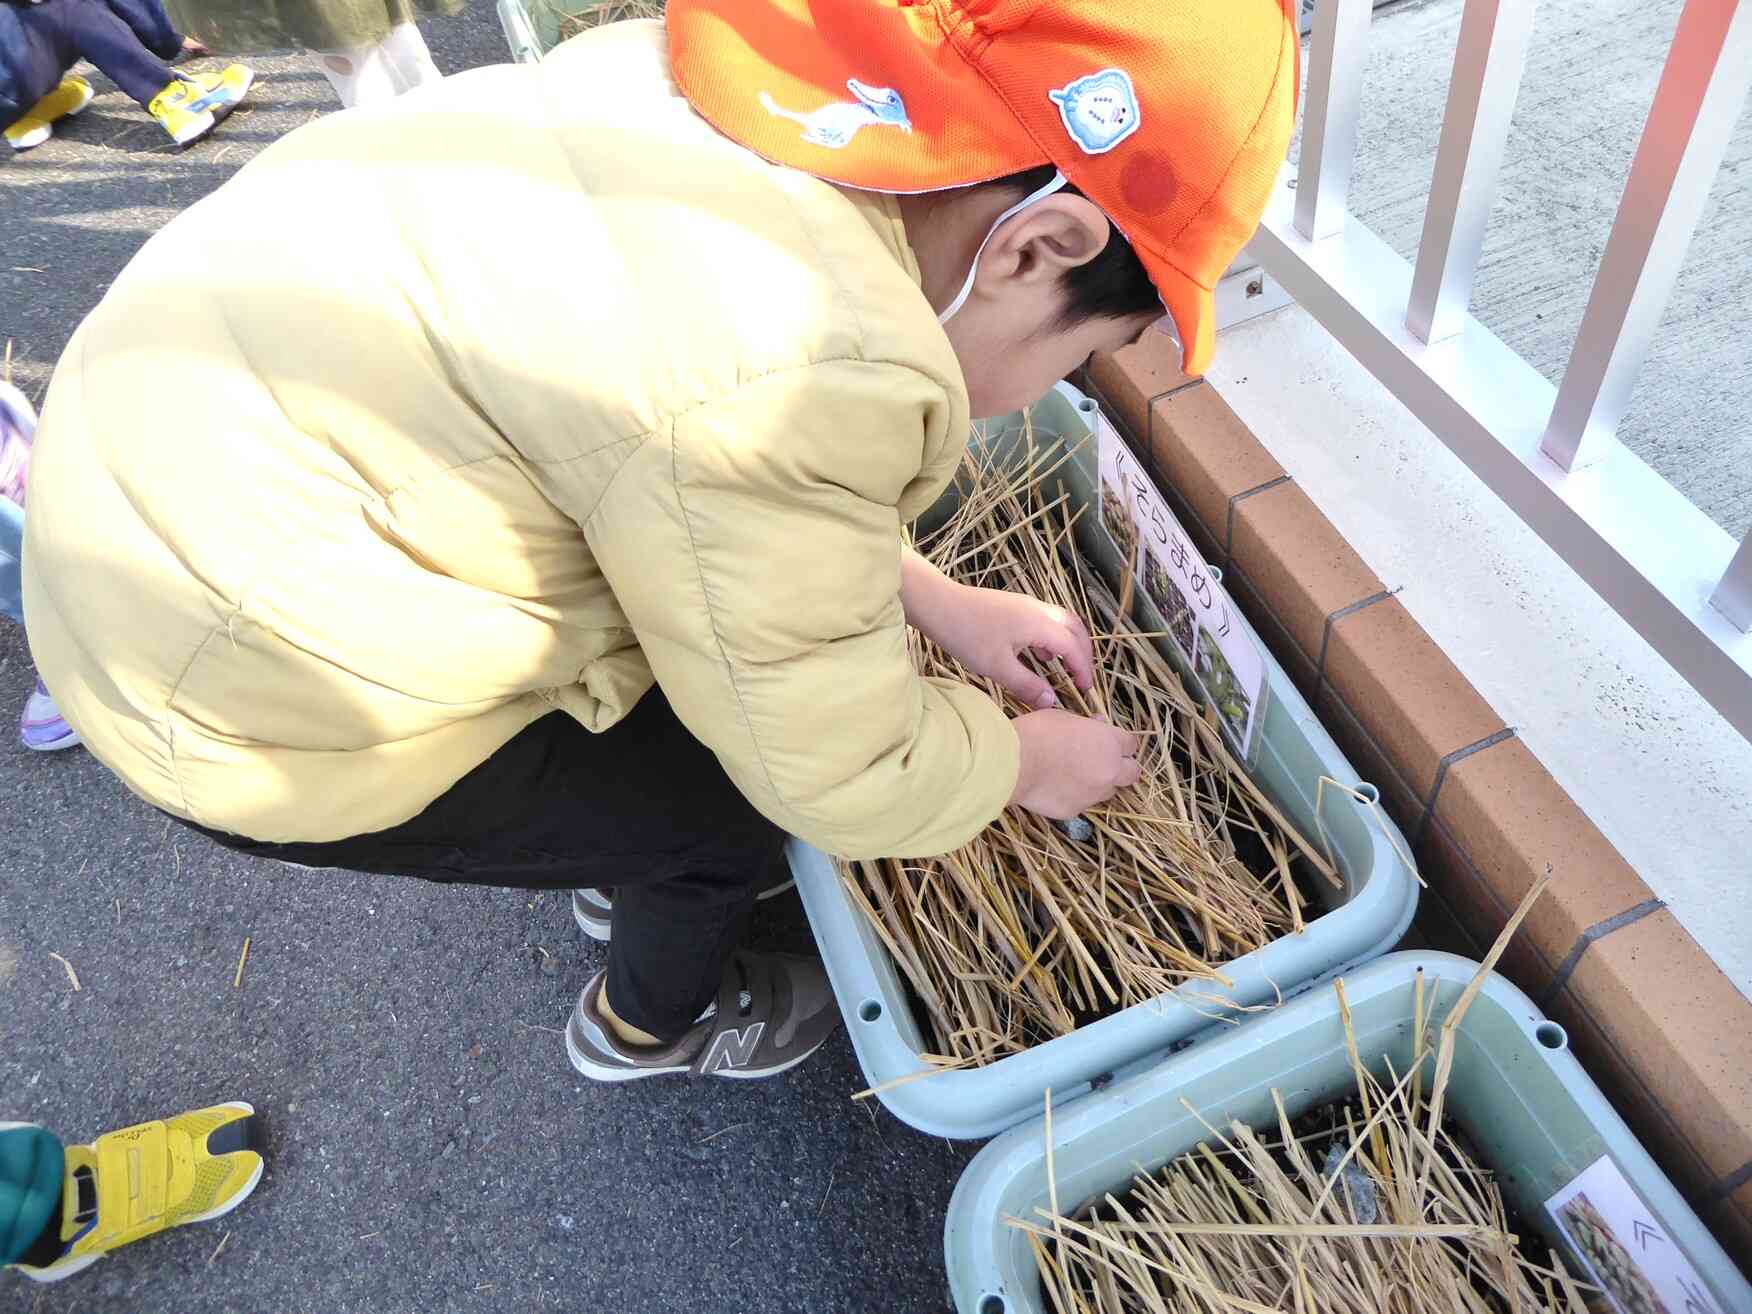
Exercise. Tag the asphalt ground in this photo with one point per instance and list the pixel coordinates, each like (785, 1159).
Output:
(430, 1148)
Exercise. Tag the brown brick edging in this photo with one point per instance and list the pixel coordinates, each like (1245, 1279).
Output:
(1651, 1017)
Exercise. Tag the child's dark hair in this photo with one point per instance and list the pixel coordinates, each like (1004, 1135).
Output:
(1114, 285)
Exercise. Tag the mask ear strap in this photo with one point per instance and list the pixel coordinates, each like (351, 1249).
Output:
(1059, 181)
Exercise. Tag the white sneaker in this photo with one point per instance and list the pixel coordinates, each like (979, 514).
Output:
(42, 728)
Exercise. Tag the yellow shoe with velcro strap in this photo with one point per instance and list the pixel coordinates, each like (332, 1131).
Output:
(141, 1180)
(37, 124)
(180, 111)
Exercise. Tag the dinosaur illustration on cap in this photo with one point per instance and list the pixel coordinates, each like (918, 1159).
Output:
(834, 125)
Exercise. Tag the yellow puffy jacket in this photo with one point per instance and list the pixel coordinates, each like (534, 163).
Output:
(505, 398)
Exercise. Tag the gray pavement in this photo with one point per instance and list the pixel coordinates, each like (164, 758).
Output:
(1592, 67)
(430, 1147)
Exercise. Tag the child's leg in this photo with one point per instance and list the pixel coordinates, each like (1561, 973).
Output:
(643, 807)
(360, 75)
(112, 47)
(11, 546)
(410, 61)
(17, 430)
(31, 1167)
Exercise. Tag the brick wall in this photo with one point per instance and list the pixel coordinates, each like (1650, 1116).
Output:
(1654, 1021)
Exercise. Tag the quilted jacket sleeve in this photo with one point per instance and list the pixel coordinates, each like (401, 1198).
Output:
(755, 548)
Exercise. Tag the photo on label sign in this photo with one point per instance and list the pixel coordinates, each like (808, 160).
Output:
(1610, 1258)
(1116, 519)
(1226, 692)
(1170, 601)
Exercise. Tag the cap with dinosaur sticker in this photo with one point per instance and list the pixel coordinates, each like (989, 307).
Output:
(1173, 116)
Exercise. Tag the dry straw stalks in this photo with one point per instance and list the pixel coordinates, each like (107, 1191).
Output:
(577, 16)
(1025, 933)
(1400, 1220)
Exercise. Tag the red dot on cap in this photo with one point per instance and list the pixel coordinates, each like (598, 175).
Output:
(1148, 182)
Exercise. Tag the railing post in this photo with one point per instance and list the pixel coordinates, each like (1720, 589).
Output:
(1702, 88)
(1491, 53)
(1733, 596)
(1329, 121)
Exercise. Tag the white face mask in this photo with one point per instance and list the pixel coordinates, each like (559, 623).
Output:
(1058, 181)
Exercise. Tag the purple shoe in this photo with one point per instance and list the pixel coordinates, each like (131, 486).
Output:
(42, 729)
(17, 427)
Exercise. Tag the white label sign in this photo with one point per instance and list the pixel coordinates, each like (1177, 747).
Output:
(1198, 613)
(1629, 1255)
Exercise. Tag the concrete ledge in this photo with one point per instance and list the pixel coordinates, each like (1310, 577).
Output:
(1651, 1016)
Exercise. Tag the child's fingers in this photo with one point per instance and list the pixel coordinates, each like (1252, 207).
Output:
(1030, 687)
(1067, 640)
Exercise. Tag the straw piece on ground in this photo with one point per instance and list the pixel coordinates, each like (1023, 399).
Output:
(71, 974)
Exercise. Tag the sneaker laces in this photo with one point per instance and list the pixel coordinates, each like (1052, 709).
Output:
(744, 996)
(198, 94)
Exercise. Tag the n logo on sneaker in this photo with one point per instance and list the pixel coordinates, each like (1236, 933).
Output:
(733, 1048)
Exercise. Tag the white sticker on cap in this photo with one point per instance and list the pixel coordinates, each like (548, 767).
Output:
(835, 124)
(1100, 110)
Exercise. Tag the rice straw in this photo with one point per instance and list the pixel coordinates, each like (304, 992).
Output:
(1247, 1221)
(1025, 933)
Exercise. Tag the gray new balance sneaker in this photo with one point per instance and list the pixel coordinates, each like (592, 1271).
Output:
(772, 1012)
(593, 909)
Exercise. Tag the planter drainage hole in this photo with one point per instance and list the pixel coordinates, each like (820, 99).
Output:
(1367, 793)
(992, 1305)
(1087, 406)
(1217, 573)
(1550, 1035)
(870, 1011)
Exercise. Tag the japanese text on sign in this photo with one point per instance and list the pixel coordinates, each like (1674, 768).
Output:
(1198, 613)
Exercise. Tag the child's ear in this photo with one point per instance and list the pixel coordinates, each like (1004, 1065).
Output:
(1051, 236)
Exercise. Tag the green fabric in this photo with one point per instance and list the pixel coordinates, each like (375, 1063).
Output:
(233, 27)
(31, 1164)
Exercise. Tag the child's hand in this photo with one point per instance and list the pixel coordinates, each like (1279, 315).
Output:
(1071, 763)
(988, 630)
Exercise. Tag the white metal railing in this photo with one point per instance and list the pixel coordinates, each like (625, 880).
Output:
(1550, 454)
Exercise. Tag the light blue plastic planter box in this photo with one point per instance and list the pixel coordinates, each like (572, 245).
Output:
(519, 32)
(532, 27)
(1360, 922)
(1531, 1112)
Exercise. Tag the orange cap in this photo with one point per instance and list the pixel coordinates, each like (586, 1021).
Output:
(1171, 115)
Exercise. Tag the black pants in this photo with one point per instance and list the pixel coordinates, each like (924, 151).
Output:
(644, 808)
(91, 30)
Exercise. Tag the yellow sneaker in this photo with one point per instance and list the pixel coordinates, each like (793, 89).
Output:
(28, 132)
(221, 92)
(180, 111)
(37, 125)
(135, 1182)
